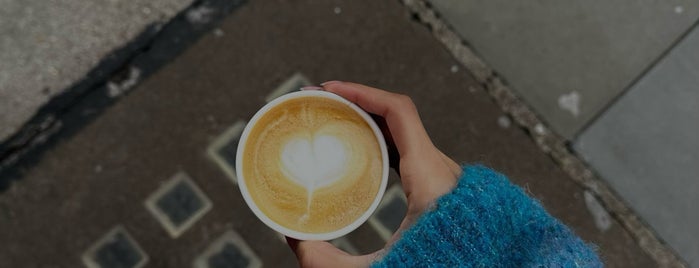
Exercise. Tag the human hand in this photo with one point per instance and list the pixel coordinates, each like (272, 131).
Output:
(425, 172)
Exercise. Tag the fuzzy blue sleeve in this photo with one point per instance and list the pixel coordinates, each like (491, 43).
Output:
(486, 221)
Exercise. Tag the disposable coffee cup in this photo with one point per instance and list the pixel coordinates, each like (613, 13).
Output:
(312, 165)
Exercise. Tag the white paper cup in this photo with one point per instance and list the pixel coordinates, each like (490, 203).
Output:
(296, 234)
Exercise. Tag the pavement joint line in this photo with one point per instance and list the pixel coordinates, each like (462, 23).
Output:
(229, 237)
(394, 192)
(638, 78)
(173, 229)
(232, 134)
(88, 256)
(120, 71)
(547, 141)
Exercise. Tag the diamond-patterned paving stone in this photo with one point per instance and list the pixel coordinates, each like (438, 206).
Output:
(178, 204)
(118, 253)
(230, 250)
(229, 256)
(390, 212)
(115, 250)
(224, 149)
(293, 83)
(228, 151)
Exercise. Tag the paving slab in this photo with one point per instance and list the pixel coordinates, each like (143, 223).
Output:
(646, 145)
(100, 176)
(115, 249)
(569, 59)
(46, 46)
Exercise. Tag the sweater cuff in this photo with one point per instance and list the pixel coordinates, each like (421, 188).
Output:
(487, 221)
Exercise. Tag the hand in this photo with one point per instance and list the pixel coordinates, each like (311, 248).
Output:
(425, 172)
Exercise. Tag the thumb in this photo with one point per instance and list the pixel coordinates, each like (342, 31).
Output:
(323, 254)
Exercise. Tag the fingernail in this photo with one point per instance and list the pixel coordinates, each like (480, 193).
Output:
(311, 88)
(326, 83)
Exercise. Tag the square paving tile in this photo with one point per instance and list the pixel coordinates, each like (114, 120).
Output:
(224, 149)
(390, 212)
(293, 83)
(230, 250)
(178, 204)
(647, 147)
(116, 249)
(569, 59)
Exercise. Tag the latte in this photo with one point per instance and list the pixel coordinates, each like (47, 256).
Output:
(312, 164)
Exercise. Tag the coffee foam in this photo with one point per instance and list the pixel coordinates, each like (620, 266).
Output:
(312, 164)
(315, 162)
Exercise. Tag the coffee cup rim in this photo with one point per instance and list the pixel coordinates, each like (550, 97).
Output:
(293, 233)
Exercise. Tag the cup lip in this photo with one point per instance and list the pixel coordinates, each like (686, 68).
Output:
(293, 233)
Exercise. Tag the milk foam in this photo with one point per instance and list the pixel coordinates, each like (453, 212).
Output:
(314, 163)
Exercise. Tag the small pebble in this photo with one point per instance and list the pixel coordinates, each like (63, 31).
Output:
(218, 32)
(504, 121)
(540, 129)
(679, 9)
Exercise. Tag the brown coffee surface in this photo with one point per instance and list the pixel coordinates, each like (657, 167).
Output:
(287, 201)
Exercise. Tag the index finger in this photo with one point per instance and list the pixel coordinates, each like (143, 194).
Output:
(399, 111)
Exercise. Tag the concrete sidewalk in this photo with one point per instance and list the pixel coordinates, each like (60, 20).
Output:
(616, 79)
(146, 182)
(46, 47)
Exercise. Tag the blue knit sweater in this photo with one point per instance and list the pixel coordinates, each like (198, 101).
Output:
(486, 221)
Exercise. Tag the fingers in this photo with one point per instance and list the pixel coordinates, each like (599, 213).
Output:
(425, 172)
(324, 254)
(399, 111)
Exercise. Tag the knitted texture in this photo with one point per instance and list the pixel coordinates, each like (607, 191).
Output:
(486, 221)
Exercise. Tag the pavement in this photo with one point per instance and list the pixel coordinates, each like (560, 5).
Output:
(45, 47)
(570, 60)
(135, 170)
(646, 144)
(617, 80)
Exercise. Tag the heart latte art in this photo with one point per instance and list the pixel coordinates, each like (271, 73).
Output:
(312, 164)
